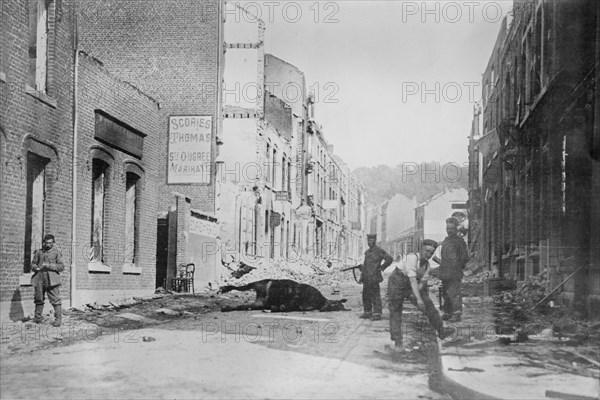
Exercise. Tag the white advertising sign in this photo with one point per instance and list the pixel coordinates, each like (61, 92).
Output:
(189, 156)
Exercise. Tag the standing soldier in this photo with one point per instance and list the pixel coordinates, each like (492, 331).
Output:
(371, 278)
(47, 265)
(454, 258)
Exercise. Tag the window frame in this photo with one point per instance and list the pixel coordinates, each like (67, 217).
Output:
(39, 75)
(101, 154)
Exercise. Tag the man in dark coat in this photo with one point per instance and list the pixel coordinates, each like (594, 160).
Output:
(454, 258)
(47, 265)
(371, 278)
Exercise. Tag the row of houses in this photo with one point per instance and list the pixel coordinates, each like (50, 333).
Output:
(116, 136)
(284, 194)
(534, 151)
(401, 224)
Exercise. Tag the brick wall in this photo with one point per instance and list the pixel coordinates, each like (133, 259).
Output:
(99, 92)
(169, 49)
(287, 82)
(41, 123)
(279, 115)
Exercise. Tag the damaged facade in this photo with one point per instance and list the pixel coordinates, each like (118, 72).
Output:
(273, 183)
(84, 142)
(36, 151)
(535, 151)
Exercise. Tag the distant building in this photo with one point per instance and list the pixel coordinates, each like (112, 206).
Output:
(400, 222)
(431, 215)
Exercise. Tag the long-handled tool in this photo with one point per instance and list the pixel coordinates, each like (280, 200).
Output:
(555, 289)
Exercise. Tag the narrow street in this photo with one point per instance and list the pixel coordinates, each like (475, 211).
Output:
(181, 180)
(226, 355)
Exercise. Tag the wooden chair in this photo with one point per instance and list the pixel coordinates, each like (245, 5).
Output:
(184, 280)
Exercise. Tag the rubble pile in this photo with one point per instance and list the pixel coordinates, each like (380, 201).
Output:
(251, 271)
(473, 282)
(521, 311)
(117, 305)
(570, 326)
(511, 307)
(334, 278)
(509, 312)
(318, 273)
(533, 290)
(478, 277)
(242, 270)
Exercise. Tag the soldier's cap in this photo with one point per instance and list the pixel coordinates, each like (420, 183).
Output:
(48, 237)
(430, 242)
(452, 220)
(372, 236)
(458, 214)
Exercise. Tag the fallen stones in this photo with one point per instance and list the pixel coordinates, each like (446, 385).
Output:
(167, 311)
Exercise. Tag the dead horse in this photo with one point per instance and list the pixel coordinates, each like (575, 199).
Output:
(280, 295)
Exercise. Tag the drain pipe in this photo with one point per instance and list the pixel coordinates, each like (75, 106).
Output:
(73, 271)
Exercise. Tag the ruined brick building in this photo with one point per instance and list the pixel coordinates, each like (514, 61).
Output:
(88, 90)
(535, 150)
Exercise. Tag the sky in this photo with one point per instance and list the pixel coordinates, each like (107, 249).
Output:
(394, 81)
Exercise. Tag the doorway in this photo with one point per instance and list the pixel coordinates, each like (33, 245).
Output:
(162, 250)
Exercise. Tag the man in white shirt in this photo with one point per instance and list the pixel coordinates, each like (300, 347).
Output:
(409, 281)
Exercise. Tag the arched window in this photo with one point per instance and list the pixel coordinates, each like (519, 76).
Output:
(99, 183)
(133, 190)
(101, 164)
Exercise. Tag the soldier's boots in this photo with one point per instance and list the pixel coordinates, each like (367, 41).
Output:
(375, 317)
(57, 315)
(446, 332)
(38, 318)
(365, 316)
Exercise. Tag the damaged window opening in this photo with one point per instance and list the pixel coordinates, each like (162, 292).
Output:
(35, 205)
(99, 173)
(38, 44)
(131, 217)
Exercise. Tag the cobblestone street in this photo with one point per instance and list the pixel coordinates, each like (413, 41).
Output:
(242, 354)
